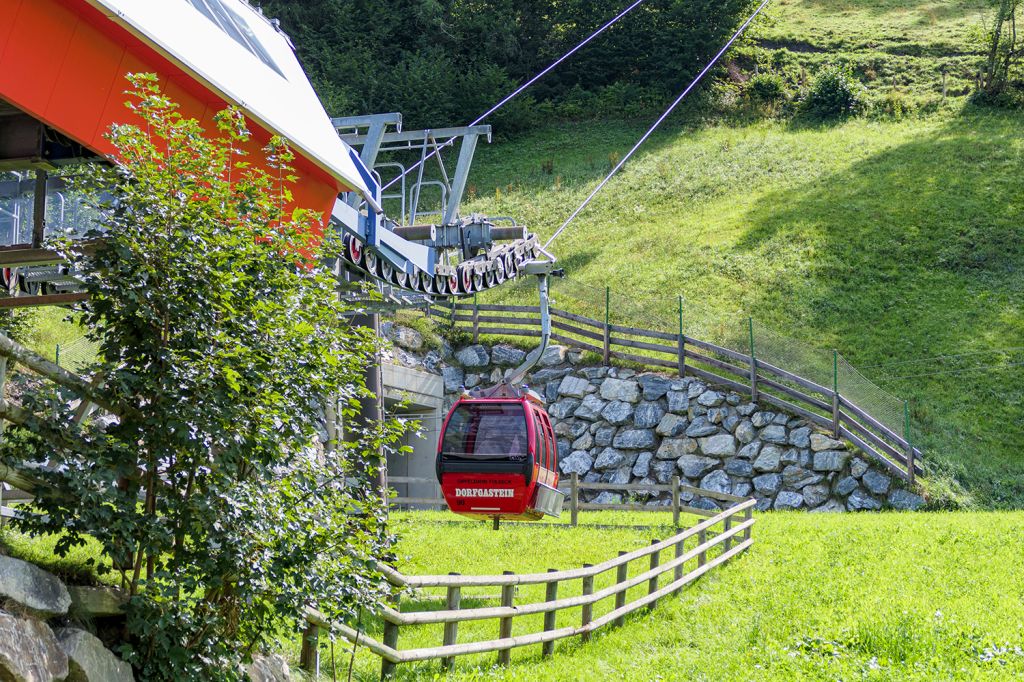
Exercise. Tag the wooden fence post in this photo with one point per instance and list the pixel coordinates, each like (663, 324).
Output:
(451, 630)
(702, 557)
(574, 499)
(309, 654)
(680, 550)
(607, 327)
(753, 362)
(748, 514)
(550, 595)
(835, 394)
(476, 321)
(682, 342)
(652, 583)
(588, 609)
(726, 526)
(505, 624)
(675, 501)
(390, 639)
(620, 599)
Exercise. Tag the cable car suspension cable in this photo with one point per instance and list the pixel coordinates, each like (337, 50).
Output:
(657, 123)
(515, 93)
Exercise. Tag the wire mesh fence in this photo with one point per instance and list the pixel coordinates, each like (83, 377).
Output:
(75, 354)
(732, 329)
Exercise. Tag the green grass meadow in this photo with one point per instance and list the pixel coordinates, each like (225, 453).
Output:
(891, 241)
(819, 597)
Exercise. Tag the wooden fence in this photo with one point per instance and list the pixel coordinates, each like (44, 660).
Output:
(573, 486)
(729, 531)
(718, 366)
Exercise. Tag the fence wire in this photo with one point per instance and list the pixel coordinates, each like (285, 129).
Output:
(74, 355)
(730, 329)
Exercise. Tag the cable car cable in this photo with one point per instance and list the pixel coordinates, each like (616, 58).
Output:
(515, 93)
(657, 123)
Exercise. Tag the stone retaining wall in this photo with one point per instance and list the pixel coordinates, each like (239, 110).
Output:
(615, 425)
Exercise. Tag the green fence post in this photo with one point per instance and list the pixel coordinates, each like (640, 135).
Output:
(835, 394)
(753, 362)
(910, 445)
(607, 328)
(682, 342)
(56, 356)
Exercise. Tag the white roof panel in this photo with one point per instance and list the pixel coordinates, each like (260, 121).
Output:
(249, 64)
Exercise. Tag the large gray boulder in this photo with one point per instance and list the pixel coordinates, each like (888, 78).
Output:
(573, 386)
(745, 432)
(722, 445)
(710, 399)
(830, 460)
(563, 408)
(774, 434)
(96, 602)
(701, 427)
(678, 402)
(768, 484)
(507, 356)
(620, 389)
(610, 458)
(815, 495)
(846, 485)
(654, 386)
(796, 477)
(788, 500)
(695, 466)
(604, 435)
(674, 448)
(454, 378)
(89, 660)
(553, 355)
(634, 439)
(750, 450)
(762, 419)
(579, 462)
(861, 500)
(904, 500)
(801, 437)
(877, 482)
(671, 425)
(739, 467)
(642, 466)
(273, 668)
(33, 589)
(617, 412)
(769, 459)
(407, 338)
(830, 507)
(473, 356)
(663, 470)
(648, 415)
(717, 481)
(590, 408)
(820, 441)
(29, 651)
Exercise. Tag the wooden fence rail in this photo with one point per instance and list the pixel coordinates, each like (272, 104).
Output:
(573, 486)
(709, 362)
(732, 534)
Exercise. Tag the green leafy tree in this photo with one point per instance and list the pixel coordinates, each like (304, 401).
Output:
(1003, 50)
(220, 337)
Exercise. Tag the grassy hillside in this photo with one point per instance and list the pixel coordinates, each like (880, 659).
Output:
(892, 242)
(819, 597)
(894, 46)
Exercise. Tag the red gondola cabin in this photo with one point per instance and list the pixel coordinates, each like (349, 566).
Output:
(497, 458)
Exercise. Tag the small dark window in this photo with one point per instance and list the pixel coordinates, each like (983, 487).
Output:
(233, 24)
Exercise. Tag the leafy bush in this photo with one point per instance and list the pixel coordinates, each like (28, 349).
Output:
(767, 88)
(221, 337)
(834, 93)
